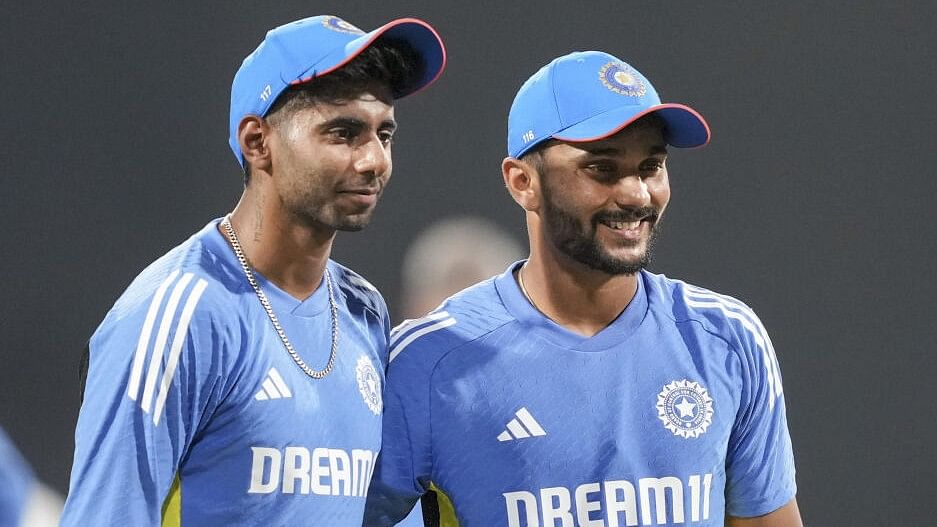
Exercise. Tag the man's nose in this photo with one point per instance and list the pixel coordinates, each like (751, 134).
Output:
(372, 157)
(632, 191)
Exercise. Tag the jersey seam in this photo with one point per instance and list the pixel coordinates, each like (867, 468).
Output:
(429, 388)
(737, 353)
(370, 299)
(705, 326)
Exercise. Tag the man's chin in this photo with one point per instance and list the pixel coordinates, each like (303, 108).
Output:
(335, 222)
(353, 223)
(351, 227)
(620, 267)
(617, 264)
(351, 219)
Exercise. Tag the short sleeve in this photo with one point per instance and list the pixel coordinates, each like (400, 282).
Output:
(760, 460)
(404, 464)
(152, 380)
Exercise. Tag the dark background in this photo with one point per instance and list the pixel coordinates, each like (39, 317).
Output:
(813, 203)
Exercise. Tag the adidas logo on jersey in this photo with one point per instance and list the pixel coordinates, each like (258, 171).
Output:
(273, 387)
(522, 426)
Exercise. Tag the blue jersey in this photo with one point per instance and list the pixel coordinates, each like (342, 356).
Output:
(672, 415)
(17, 482)
(195, 414)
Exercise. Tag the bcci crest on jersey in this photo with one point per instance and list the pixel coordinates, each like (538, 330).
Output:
(685, 408)
(369, 384)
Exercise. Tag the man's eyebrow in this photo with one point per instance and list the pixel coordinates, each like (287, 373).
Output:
(346, 122)
(613, 151)
(602, 150)
(357, 124)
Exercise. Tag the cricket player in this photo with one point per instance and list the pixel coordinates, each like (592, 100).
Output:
(239, 379)
(578, 388)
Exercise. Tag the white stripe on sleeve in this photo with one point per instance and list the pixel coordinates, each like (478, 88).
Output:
(748, 321)
(395, 350)
(182, 330)
(136, 370)
(161, 336)
(406, 325)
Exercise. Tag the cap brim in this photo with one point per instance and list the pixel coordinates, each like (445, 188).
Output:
(684, 127)
(418, 34)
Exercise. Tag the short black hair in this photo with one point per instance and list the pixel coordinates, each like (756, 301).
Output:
(387, 62)
(534, 156)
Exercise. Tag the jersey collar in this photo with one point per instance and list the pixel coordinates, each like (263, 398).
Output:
(619, 331)
(281, 301)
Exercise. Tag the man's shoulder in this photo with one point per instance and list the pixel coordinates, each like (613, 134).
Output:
(192, 276)
(185, 302)
(356, 289)
(720, 314)
(462, 318)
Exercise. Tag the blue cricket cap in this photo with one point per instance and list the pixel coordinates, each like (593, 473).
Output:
(590, 95)
(302, 50)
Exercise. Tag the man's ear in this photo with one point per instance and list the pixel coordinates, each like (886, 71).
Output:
(523, 182)
(253, 134)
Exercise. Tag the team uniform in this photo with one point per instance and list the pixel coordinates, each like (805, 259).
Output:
(17, 482)
(672, 415)
(194, 413)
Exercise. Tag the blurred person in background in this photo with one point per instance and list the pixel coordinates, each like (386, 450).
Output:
(445, 258)
(449, 256)
(24, 500)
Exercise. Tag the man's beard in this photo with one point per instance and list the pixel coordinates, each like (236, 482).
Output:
(335, 221)
(319, 211)
(579, 242)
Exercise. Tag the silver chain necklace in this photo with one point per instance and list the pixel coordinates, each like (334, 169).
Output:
(520, 282)
(333, 307)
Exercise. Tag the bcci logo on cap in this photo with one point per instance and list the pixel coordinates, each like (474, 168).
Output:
(337, 24)
(621, 78)
(369, 384)
(685, 408)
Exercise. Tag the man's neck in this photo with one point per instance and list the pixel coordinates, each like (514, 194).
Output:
(290, 254)
(582, 300)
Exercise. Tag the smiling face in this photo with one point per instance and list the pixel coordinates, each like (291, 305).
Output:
(602, 201)
(331, 161)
